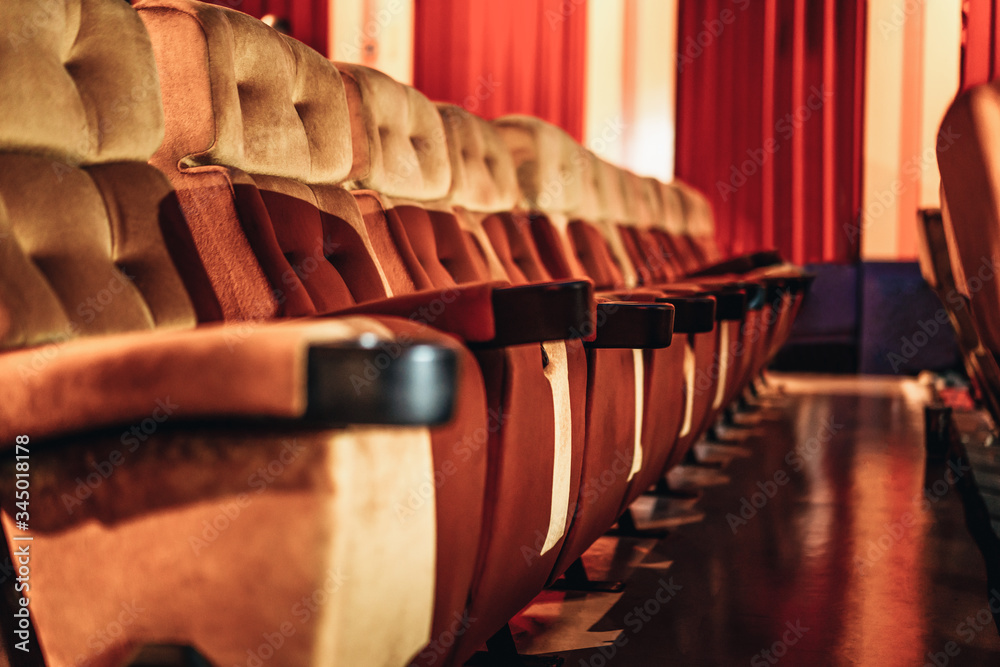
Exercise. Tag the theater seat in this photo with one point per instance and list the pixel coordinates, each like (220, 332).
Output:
(965, 270)
(221, 457)
(936, 268)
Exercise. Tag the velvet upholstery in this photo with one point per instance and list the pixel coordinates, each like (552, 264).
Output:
(267, 105)
(102, 381)
(75, 100)
(93, 270)
(419, 238)
(969, 180)
(78, 82)
(547, 160)
(483, 175)
(398, 138)
(108, 273)
(256, 141)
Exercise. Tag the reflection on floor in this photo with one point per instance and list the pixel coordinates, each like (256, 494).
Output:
(832, 543)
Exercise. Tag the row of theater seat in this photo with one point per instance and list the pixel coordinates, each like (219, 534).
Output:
(276, 234)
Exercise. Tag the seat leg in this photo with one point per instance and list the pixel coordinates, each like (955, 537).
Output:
(575, 579)
(627, 527)
(664, 490)
(502, 652)
(691, 459)
(169, 655)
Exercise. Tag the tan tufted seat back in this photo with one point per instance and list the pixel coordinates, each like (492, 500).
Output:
(82, 216)
(611, 190)
(697, 211)
(258, 144)
(591, 204)
(651, 211)
(484, 190)
(483, 176)
(78, 80)
(400, 148)
(609, 183)
(672, 219)
(267, 105)
(549, 163)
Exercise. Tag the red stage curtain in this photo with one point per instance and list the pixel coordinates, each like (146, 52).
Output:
(769, 115)
(496, 58)
(980, 50)
(309, 18)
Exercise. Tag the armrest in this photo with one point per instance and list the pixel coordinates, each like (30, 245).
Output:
(414, 387)
(791, 276)
(328, 371)
(730, 302)
(697, 308)
(633, 325)
(465, 311)
(692, 314)
(494, 314)
(753, 291)
(542, 311)
(741, 264)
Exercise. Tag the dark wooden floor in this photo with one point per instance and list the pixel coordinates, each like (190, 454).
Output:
(822, 549)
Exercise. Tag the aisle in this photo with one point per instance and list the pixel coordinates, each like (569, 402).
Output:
(823, 549)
